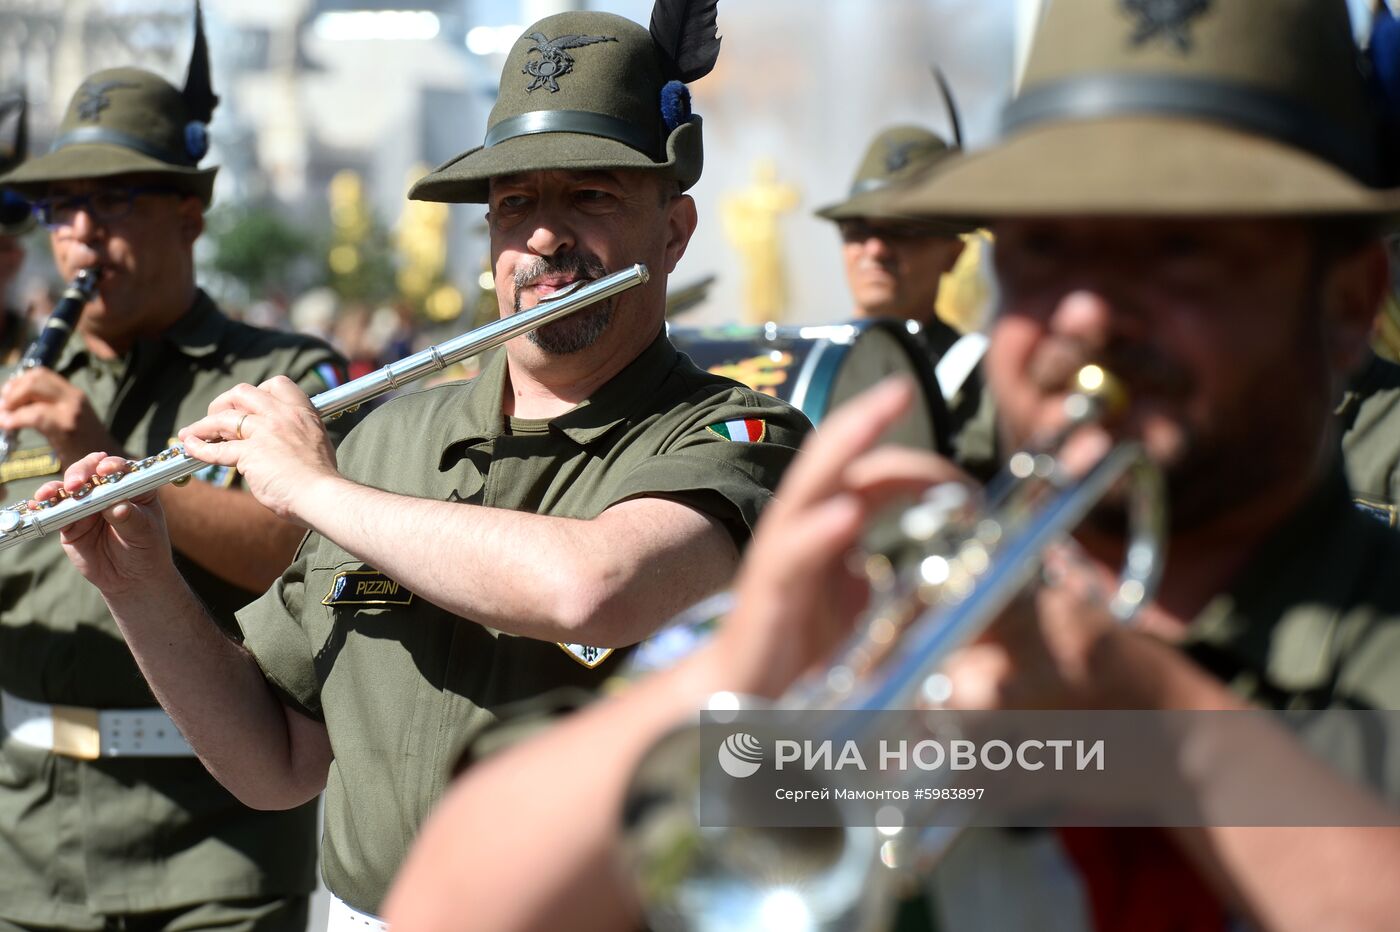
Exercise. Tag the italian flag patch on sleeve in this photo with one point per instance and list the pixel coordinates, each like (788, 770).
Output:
(329, 374)
(750, 430)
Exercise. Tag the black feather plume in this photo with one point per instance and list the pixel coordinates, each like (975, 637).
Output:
(686, 32)
(14, 129)
(199, 90)
(951, 104)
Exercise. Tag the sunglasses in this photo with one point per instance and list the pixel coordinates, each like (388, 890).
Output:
(858, 231)
(103, 206)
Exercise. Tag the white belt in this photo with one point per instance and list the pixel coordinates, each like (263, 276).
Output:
(342, 917)
(88, 734)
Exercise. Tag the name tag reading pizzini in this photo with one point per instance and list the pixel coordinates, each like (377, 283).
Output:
(366, 587)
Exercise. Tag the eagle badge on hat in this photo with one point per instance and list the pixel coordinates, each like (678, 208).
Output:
(93, 98)
(1170, 18)
(554, 62)
(898, 154)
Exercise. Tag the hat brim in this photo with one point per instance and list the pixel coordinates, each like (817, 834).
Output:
(1140, 166)
(466, 179)
(879, 205)
(101, 160)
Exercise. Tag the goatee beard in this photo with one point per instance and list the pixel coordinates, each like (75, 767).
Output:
(580, 330)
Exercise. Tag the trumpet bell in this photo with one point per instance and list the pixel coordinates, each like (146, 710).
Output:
(723, 878)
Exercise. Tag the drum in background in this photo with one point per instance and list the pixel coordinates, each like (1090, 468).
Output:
(815, 369)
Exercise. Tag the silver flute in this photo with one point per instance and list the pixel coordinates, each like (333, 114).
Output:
(32, 520)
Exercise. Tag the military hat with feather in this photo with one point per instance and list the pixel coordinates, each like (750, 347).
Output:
(1185, 107)
(896, 157)
(16, 216)
(592, 91)
(125, 121)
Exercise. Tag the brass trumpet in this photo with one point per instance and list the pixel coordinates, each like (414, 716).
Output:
(949, 568)
(32, 520)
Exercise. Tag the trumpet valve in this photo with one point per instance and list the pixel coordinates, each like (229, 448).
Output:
(1096, 392)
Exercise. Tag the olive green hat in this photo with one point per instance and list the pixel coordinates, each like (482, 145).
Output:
(16, 216)
(898, 155)
(1180, 107)
(126, 121)
(592, 91)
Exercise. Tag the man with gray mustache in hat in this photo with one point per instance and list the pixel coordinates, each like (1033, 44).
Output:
(107, 819)
(1189, 194)
(476, 544)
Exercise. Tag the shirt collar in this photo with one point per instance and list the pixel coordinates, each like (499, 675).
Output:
(622, 396)
(200, 331)
(610, 405)
(1279, 619)
(196, 334)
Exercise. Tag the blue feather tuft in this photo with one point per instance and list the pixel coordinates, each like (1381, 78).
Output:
(196, 139)
(675, 105)
(14, 209)
(1385, 60)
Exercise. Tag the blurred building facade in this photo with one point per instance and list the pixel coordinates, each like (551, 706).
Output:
(312, 87)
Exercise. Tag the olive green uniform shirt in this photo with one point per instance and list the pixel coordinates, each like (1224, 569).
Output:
(1370, 420)
(13, 333)
(1312, 623)
(403, 685)
(136, 834)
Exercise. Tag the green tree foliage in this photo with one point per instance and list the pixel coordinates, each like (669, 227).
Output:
(256, 251)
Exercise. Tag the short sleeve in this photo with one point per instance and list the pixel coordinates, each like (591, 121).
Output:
(273, 633)
(726, 461)
(321, 371)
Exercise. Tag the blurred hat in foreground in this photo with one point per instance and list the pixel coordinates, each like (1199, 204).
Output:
(1181, 107)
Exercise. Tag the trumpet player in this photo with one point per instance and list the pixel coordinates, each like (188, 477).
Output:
(475, 544)
(107, 820)
(1165, 204)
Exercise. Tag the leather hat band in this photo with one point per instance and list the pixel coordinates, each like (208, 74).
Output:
(1248, 109)
(572, 121)
(88, 135)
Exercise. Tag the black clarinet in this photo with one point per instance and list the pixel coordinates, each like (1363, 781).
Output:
(48, 345)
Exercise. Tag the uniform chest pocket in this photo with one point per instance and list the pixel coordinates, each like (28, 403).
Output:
(355, 600)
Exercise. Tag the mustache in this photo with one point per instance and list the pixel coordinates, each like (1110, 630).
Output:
(572, 264)
(1139, 367)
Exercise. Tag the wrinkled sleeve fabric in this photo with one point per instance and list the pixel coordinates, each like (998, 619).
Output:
(273, 632)
(725, 458)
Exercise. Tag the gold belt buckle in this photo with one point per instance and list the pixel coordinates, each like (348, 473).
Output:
(76, 733)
